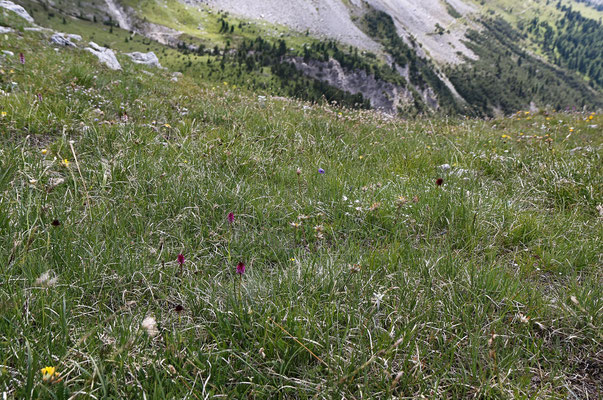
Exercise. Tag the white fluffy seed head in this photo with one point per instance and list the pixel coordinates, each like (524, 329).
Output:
(150, 326)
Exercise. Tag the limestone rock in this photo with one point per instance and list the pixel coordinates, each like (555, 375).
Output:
(63, 39)
(145, 58)
(104, 55)
(17, 9)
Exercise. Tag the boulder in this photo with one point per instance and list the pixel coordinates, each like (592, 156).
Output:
(145, 58)
(5, 29)
(62, 39)
(104, 55)
(17, 9)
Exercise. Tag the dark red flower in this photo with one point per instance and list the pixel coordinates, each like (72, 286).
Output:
(179, 308)
(439, 181)
(180, 259)
(21, 58)
(240, 268)
(56, 222)
(230, 217)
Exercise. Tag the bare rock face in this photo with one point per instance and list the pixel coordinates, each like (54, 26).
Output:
(384, 96)
(17, 9)
(145, 58)
(330, 18)
(439, 26)
(104, 55)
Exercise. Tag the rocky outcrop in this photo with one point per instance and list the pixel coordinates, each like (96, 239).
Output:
(17, 9)
(63, 39)
(384, 96)
(104, 55)
(119, 14)
(145, 58)
(159, 33)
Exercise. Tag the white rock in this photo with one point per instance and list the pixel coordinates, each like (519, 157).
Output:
(145, 58)
(17, 9)
(5, 29)
(36, 29)
(61, 39)
(105, 56)
(8, 53)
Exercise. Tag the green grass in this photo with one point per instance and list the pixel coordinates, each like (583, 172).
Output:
(488, 286)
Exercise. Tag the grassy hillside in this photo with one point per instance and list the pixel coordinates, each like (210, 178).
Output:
(219, 47)
(373, 269)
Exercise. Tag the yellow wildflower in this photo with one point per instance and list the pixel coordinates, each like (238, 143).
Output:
(49, 374)
(65, 162)
(167, 125)
(3, 113)
(44, 151)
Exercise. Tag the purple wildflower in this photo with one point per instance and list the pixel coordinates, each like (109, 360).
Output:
(230, 217)
(240, 268)
(22, 58)
(321, 171)
(180, 259)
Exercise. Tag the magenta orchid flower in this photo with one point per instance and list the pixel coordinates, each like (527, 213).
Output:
(240, 268)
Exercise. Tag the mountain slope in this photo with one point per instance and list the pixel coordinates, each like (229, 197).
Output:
(423, 56)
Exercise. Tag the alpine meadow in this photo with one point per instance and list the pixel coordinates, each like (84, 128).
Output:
(336, 199)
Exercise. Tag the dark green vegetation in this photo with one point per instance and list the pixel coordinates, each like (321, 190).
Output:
(368, 281)
(506, 76)
(592, 4)
(574, 42)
